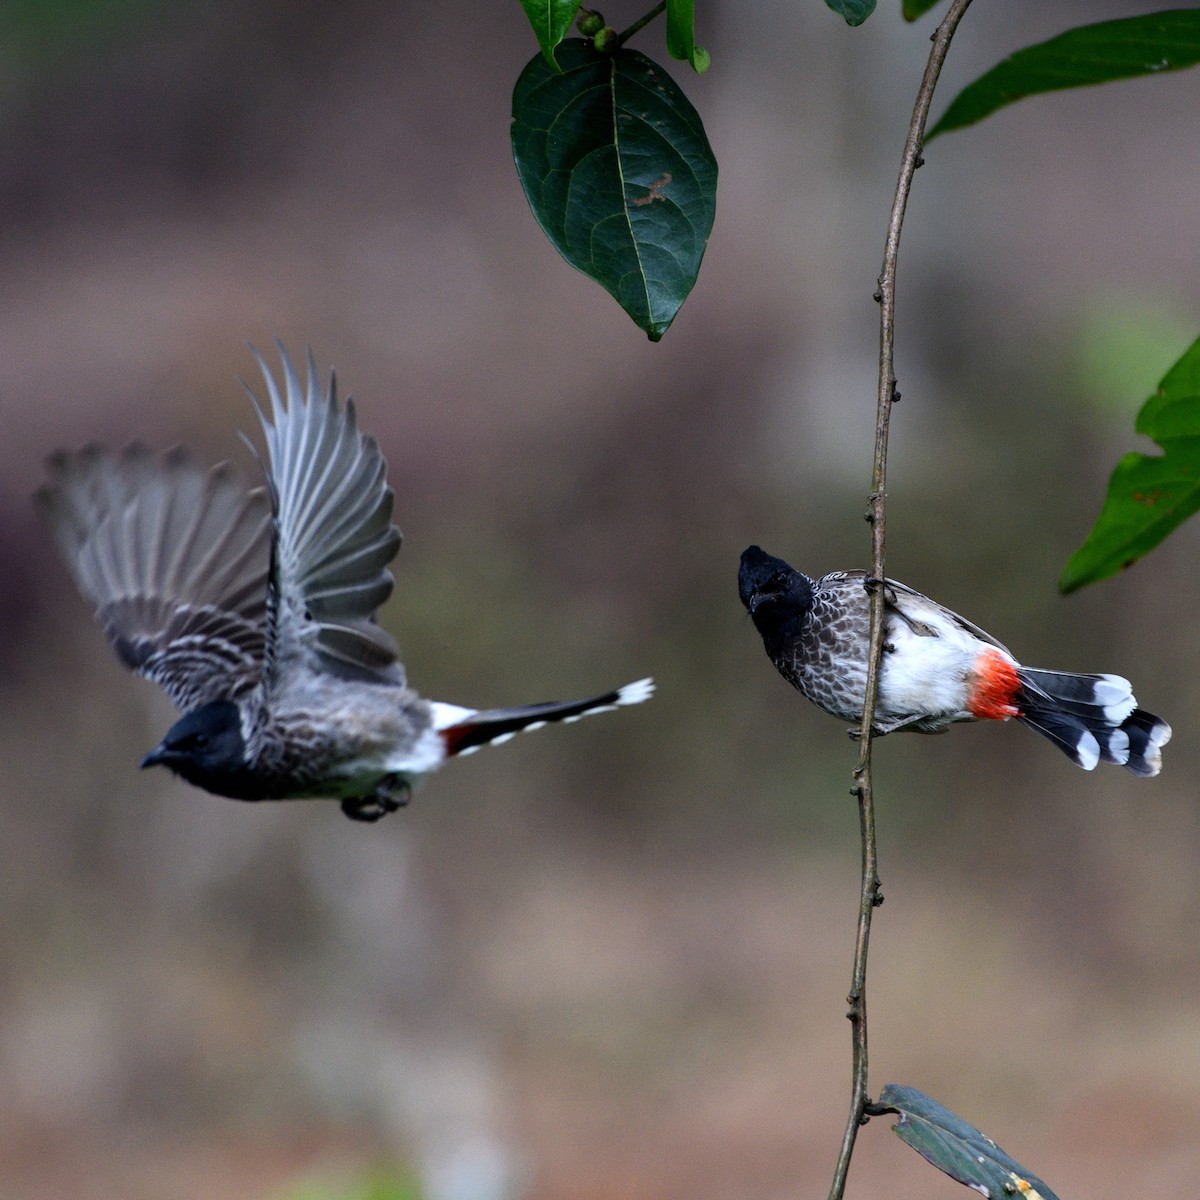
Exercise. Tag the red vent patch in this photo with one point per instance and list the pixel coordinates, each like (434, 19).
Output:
(994, 688)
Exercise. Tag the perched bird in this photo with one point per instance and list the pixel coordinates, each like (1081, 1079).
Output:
(254, 609)
(937, 667)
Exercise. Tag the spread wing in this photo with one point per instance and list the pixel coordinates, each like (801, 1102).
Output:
(914, 609)
(334, 535)
(174, 557)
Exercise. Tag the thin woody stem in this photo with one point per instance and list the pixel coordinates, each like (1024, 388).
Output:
(641, 22)
(871, 896)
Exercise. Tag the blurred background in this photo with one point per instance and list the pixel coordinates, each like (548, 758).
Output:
(609, 961)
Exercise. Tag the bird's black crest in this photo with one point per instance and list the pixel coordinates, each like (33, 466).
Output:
(772, 591)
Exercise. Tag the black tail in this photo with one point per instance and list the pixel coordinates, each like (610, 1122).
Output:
(474, 730)
(1092, 717)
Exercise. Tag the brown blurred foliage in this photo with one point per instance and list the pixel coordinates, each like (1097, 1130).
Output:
(608, 961)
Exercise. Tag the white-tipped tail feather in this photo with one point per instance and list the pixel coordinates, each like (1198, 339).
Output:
(635, 693)
(1092, 717)
(465, 730)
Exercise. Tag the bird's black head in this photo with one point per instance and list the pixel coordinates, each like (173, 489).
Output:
(205, 747)
(774, 593)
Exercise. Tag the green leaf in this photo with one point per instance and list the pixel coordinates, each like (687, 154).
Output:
(681, 35)
(618, 172)
(1149, 496)
(1122, 49)
(912, 9)
(551, 21)
(958, 1149)
(854, 11)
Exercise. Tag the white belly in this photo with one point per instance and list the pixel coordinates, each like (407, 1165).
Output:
(927, 677)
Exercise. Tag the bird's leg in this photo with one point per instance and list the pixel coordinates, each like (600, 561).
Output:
(391, 793)
(883, 728)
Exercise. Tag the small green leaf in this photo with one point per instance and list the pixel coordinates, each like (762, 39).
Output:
(1149, 496)
(551, 21)
(912, 9)
(855, 12)
(619, 174)
(958, 1149)
(1122, 49)
(681, 35)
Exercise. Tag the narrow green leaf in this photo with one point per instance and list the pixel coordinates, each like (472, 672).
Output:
(855, 12)
(1122, 49)
(681, 35)
(618, 173)
(551, 21)
(1149, 496)
(958, 1149)
(912, 9)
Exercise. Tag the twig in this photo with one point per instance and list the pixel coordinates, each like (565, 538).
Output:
(641, 22)
(871, 896)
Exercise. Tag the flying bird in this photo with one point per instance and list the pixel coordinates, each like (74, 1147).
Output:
(937, 667)
(254, 609)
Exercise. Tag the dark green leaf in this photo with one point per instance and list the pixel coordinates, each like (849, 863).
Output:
(618, 172)
(1148, 495)
(551, 21)
(1123, 49)
(958, 1149)
(854, 11)
(681, 35)
(913, 9)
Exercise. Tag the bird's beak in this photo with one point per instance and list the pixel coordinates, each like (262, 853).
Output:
(156, 756)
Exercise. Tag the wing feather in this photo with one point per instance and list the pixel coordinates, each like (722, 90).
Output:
(910, 604)
(174, 558)
(334, 535)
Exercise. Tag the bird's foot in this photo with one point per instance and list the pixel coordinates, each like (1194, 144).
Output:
(391, 794)
(365, 808)
(877, 730)
(870, 583)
